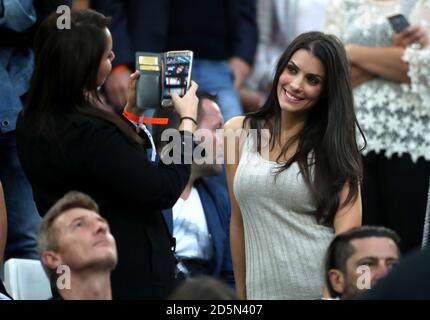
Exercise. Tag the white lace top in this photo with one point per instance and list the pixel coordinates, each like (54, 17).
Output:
(395, 117)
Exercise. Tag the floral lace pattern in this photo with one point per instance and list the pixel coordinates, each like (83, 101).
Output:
(394, 117)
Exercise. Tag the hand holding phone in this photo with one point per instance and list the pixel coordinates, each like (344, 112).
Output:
(413, 36)
(398, 22)
(405, 34)
(177, 74)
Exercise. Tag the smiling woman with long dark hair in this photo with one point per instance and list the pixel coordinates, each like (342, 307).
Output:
(296, 182)
(68, 140)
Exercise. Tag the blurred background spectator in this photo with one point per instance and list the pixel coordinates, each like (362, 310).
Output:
(222, 34)
(279, 22)
(391, 78)
(18, 20)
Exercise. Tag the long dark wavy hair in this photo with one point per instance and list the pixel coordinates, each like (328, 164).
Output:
(65, 76)
(329, 132)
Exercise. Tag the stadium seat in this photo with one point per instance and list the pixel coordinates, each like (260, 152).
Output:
(25, 279)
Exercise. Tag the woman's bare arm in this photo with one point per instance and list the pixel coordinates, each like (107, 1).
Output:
(237, 241)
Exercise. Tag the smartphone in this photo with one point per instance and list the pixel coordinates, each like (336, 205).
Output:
(177, 74)
(398, 22)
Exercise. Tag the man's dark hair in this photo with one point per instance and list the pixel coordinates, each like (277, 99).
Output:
(341, 249)
(203, 288)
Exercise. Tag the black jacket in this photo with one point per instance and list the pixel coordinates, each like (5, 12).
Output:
(92, 155)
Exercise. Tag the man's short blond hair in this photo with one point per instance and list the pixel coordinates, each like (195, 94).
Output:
(47, 237)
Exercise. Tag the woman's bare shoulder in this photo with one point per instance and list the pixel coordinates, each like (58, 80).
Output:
(235, 123)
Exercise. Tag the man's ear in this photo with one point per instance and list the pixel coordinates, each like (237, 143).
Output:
(337, 280)
(51, 260)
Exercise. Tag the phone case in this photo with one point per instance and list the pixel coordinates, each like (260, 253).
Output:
(148, 86)
(160, 75)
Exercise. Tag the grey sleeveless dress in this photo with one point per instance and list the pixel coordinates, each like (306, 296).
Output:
(284, 245)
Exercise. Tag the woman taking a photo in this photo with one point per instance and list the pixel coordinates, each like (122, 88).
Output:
(68, 140)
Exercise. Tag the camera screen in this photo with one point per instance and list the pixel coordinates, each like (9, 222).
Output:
(176, 74)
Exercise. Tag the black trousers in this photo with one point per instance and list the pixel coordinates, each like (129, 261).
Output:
(394, 195)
